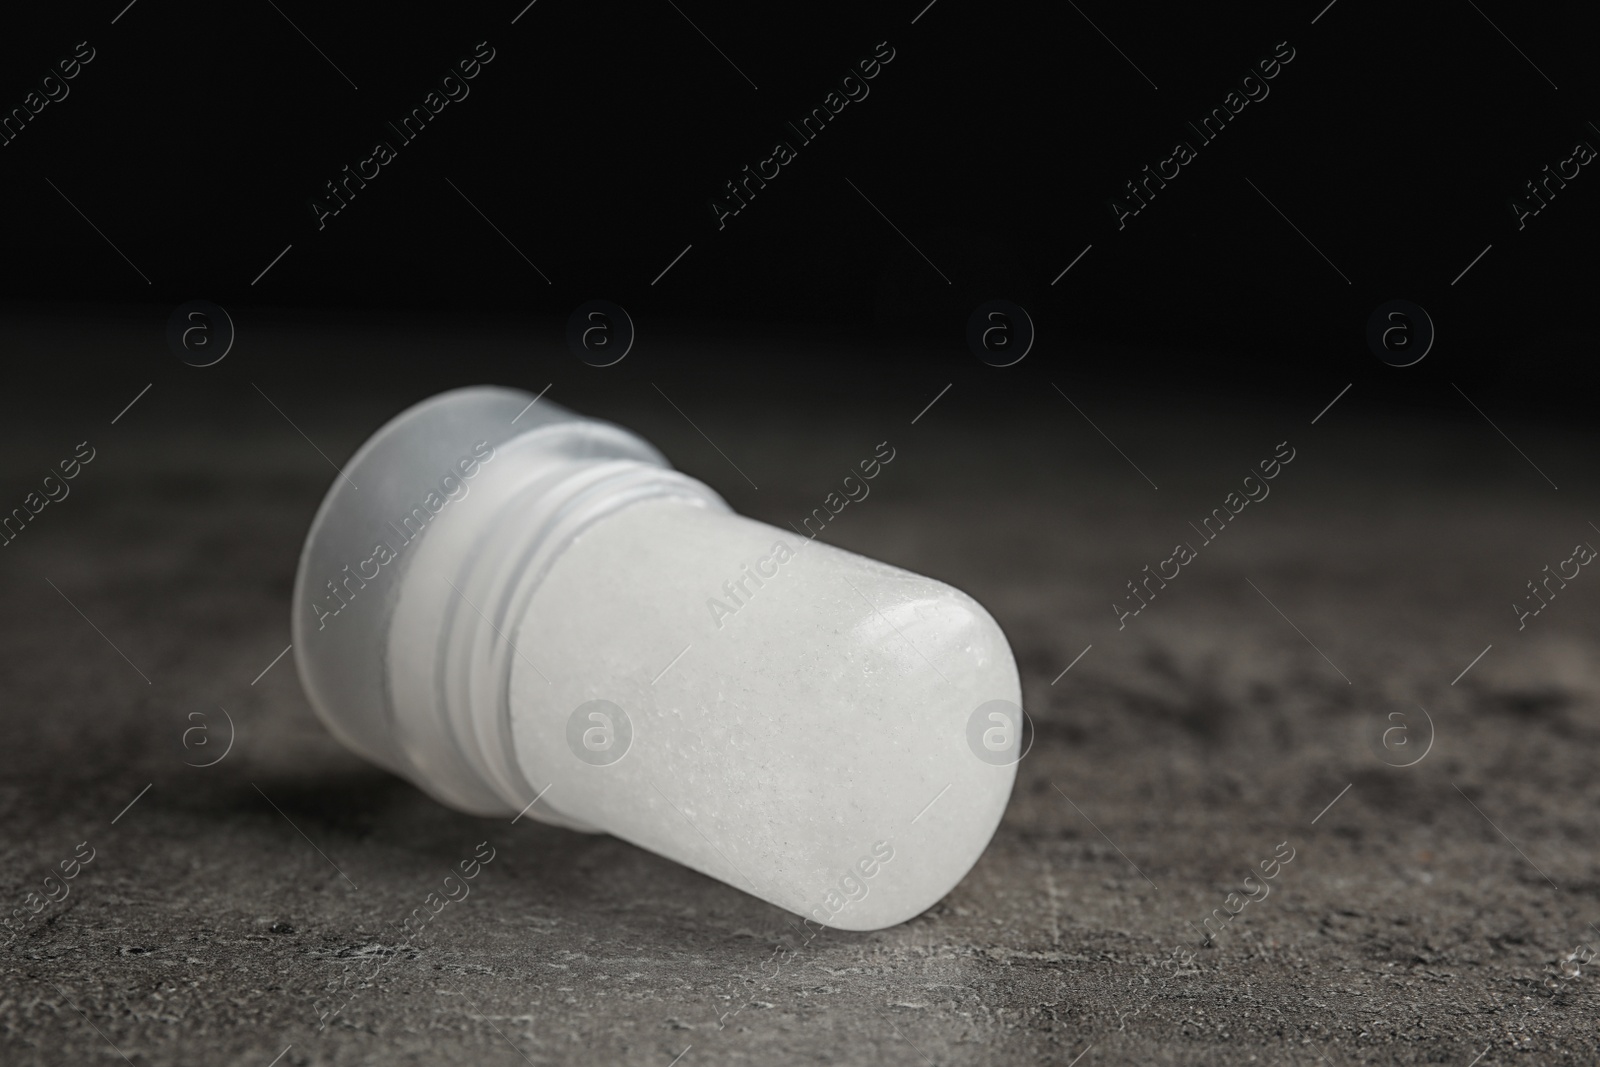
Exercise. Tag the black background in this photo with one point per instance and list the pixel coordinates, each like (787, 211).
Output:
(199, 134)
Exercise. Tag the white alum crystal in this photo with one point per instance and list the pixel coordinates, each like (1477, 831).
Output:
(586, 637)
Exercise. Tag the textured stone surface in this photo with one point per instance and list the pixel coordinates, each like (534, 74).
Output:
(224, 905)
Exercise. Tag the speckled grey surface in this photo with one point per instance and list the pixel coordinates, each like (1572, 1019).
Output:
(213, 923)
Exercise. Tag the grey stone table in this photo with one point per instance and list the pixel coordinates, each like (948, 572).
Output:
(1426, 915)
